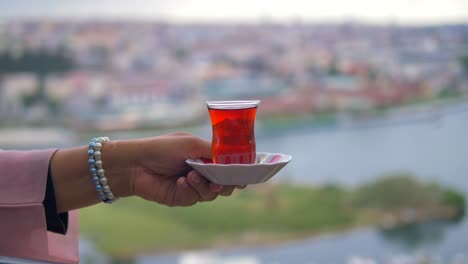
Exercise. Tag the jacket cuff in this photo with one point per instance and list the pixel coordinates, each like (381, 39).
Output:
(56, 222)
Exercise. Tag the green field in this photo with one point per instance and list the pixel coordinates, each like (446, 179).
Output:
(259, 214)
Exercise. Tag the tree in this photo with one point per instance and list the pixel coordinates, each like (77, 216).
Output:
(39, 62)
(333, 67)
(464, 64)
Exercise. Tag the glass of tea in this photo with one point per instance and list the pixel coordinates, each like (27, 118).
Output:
(233, 131)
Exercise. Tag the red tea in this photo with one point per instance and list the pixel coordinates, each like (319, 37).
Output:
(233, 133)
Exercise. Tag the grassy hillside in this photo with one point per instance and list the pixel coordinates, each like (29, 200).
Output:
(259, 214)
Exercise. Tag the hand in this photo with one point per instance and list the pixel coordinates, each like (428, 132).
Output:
(161, 174)
(152, 168)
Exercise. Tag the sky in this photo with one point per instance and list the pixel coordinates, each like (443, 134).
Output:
(372, 11)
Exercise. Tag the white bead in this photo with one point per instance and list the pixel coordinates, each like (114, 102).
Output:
(97, 154)
(110, 196)
(97, 146)
(103, 180)
(98, 164)
(101, 172)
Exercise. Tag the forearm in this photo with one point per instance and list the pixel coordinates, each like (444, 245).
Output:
(72, 180)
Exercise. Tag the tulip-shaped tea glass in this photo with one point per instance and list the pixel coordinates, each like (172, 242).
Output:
(233, 131)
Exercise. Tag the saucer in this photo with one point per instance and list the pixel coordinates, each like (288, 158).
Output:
(266, 166)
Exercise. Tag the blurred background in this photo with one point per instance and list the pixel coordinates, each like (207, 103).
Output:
(370, 99)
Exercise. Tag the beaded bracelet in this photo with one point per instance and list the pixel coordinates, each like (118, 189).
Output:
(97, 171)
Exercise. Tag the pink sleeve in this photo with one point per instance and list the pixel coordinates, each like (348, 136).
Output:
(23, 229)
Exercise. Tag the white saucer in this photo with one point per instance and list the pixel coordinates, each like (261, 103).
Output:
(266, 166)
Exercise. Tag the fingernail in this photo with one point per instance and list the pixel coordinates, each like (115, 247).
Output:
(218, 188)
(215, 187)
(195, 178)
(182, 182)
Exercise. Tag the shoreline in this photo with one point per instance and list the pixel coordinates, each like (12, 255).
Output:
(252, 219)
(413, 112)
(23, 136)
(265, 240)
(263, 244)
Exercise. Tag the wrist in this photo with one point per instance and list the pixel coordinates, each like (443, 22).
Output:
(119, 158)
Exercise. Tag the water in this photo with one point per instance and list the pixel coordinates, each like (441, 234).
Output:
(434, 149)
(343, 248)
(432, 146)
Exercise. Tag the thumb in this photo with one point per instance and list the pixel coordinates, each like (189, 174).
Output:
(201, 149)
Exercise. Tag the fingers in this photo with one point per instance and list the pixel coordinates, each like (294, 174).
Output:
(184, 194)
(201, 186)
(195, 188)
(209, 191)
(227, 190)
(216, 188)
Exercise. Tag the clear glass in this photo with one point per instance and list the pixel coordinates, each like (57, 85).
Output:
(233, 123)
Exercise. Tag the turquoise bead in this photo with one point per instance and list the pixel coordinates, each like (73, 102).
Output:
(91, 161)
(96, 180)
(93, 171)
(99, 188)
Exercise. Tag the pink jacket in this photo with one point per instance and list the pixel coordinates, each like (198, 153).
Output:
(23, 230)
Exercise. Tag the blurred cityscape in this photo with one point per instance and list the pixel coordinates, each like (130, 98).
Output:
(398, 92)
(154, 74)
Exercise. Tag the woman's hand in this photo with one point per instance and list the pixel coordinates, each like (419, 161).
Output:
(161, 174)
(152, 168)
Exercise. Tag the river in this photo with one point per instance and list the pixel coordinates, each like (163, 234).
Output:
(431, 148)
(432, 145)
